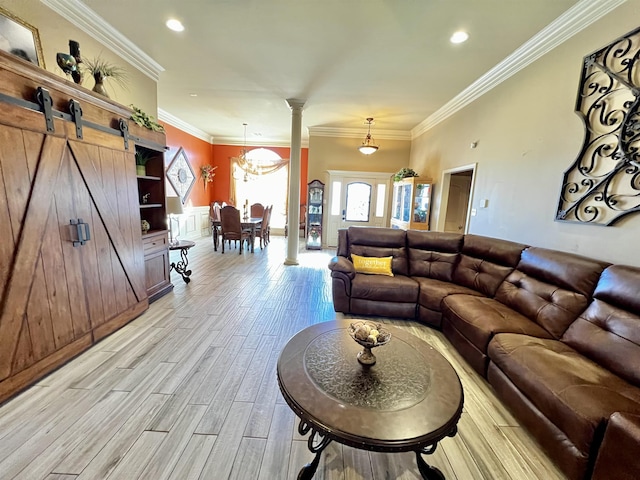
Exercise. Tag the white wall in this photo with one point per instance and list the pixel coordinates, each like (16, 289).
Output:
(55, 33)
(528, 134)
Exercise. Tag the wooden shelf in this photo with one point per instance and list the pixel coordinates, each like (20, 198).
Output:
(151, 187)
(152, 232)
(148, 177)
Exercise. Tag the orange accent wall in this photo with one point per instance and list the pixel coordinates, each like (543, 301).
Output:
(200, 153)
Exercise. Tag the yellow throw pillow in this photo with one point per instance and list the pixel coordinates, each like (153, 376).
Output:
(373, 265)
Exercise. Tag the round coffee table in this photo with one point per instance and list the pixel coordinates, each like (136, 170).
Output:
(408, 401)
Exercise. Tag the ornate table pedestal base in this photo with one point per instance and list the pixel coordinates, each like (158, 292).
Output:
(317, 442)
(181, 266)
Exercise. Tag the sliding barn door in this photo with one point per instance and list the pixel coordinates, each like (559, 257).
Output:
(71, 266)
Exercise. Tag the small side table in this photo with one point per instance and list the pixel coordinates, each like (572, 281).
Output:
(181, 266)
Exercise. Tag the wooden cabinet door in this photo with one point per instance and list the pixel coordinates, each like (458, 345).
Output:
(156, 264)
(57, 298)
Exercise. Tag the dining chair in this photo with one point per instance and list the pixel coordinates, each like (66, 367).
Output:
(302, 225)
(232, 227)
(270, 208)
(264, 228)
(214, 216)
(256, 209)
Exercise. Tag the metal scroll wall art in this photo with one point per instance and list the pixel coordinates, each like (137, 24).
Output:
(603, 184)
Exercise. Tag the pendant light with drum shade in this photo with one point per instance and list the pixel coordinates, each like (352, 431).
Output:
(368, 146)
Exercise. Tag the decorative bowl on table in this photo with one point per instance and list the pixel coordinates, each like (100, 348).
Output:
(369, 335)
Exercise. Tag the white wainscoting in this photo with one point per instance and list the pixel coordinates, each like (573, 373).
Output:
(194, 223)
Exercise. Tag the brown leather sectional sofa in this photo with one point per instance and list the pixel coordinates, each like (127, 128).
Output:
(557, 335)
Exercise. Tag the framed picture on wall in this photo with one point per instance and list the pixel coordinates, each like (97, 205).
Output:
(20, 38)
(181, 175)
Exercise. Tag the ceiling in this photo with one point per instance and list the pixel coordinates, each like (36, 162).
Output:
(348, 59)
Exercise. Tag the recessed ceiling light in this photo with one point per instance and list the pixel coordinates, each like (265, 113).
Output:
(175, 25)
(459, 37)
(193, 94)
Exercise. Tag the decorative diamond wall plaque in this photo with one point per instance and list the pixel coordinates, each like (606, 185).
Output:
(181, 175)
(603, 184)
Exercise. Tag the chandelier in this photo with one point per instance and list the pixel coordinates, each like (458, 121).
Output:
(368, 146)
(246, 164)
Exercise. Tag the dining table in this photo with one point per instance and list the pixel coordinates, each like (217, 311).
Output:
(252, 224)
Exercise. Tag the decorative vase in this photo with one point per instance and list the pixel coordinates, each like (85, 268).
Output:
(145, 226)
(141, 170)
(99, 86)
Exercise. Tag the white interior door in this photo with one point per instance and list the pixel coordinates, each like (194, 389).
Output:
(356, 198)
(459, 190)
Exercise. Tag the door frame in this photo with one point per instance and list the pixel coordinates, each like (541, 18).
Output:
(443, 197)
(383, 177)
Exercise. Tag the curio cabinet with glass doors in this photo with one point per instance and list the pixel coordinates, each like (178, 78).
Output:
(411, 205)
(315, 197)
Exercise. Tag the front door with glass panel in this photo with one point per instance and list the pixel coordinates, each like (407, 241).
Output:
(356, 198)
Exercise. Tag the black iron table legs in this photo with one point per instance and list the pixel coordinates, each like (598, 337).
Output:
(427, 471)
(181, 266)
(317, 442)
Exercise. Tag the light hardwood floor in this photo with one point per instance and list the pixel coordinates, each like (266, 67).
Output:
(188, 391)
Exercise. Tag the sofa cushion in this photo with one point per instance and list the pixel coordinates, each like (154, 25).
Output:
(567, 270)
(433, 254)
(485, 262)
(609, 336)
(372, 265)
(343, 242)
(550, 287)
(574, 393)
(380, 242)
(619, 286)
(384, 289)
(608, 331)
(433, 291)
(478, 319)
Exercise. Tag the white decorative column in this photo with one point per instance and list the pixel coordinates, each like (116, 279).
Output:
(293, 214)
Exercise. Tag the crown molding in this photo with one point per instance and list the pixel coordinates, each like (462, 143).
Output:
(359, 133)
(238, 141)
(202, 135)
(574, 20)
(184, 126)
(98, 28)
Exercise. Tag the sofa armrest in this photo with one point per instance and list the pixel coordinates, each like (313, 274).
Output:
(619, 454)
(342, 273)
(342, 265)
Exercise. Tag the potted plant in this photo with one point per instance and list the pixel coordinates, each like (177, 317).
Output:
(404, 173)
(101, 70)
(147, 121)
(141, 163)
